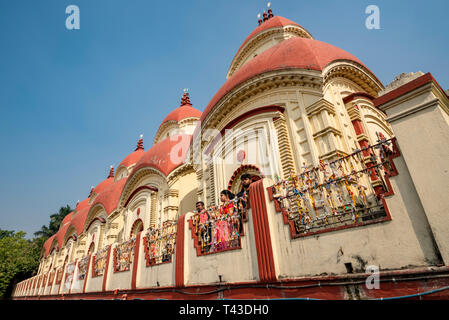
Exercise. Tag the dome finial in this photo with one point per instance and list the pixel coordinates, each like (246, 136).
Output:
(111, 172)
(270, 12)
(185, 98)
(140, 143)
(259, 20)
(265, 17)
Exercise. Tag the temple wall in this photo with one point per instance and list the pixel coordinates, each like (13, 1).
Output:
(117, 280)
(419, 120)
(161, 275)
(238, 265)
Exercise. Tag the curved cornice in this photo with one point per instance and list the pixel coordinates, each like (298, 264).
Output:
(133, 181)
(354, 72)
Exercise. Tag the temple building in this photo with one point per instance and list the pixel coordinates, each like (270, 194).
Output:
(347, 175)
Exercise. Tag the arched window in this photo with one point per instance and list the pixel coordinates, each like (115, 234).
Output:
(136, 228)
(235, 184)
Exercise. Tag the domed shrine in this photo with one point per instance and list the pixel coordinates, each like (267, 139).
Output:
(333, 162)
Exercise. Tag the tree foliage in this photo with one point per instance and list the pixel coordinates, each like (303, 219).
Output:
(55, 222)
(20, 257)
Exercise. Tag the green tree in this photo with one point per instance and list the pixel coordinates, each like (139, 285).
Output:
(54, 224)
(19, 258)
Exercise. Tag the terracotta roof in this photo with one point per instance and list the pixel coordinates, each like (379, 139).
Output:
(275, 22)
(293, 53)
(182, 112)
(103, 184)
(79, 220)
(166, 155)
(133, 157)
(67, 218)
(110, 197)
(80, 206)
(61, 233)
(47, 244)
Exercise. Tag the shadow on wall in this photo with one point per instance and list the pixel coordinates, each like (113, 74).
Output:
(187, 204)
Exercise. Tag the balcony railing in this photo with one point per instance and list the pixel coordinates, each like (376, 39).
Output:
(82, 267)
(123, 255)
(335, 194)
(159, 243)
(99, 262)
(219, 228)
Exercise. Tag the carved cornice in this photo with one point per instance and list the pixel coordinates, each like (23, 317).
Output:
(319, 106)
(354, 72)
(326, 131)
(176, 174)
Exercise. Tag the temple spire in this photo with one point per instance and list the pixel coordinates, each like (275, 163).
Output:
(265, 15)
(140, 143)
(185, 98)
(111, 172)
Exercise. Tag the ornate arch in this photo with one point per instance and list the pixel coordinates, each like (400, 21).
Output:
(136, 178)
(234, 183)
(96, 212)
(136, 228)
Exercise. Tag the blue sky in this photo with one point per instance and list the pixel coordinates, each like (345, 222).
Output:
(74, 102)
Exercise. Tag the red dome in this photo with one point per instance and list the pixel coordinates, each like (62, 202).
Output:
(181, 113)
(102, 185)
(132, 158)
(293, 53)
(110, 197)
(67, 218)
(80, 206)
(61, 233)
(47, 245)
(79, 220)
(166, 155)
(274, 22)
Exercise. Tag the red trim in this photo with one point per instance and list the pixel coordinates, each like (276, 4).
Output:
(106, 268)
(313, 287)
(97, 218)
(87, 274)
(352, 96)
(136, 260)
(138, 190)
(246, 115)
(264, 250)
(240, 169)
(134, 225)
(410, 86)
(358, 127)
(179, 263)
